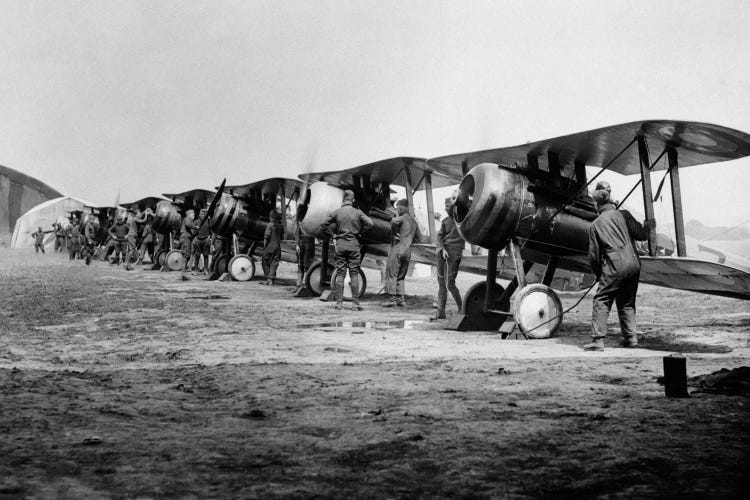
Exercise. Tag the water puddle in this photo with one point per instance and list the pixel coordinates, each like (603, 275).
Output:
(375, 325)
(206, 297)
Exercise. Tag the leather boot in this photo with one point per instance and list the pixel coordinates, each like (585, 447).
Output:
(596, 344)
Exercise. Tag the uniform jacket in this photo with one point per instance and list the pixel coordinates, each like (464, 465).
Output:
(448, 238)
(346, 224)
(611, 243)
(272, 238)
(404, 230)
(188, 227)
(119, 231)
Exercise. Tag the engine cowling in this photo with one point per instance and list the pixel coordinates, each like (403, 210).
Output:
(166, 217)
(495, 203)
(320, 200)
(489, 204)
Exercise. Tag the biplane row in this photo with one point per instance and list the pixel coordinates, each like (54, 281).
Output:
(527, 204)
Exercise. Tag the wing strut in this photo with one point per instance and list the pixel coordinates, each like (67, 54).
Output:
(647, 194)
(430, 207)
(600, 172)
(679, 222)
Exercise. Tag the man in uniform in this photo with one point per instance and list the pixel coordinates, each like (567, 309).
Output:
(271, 255)
(202, 243)
(615, 263)
(118, 232)
(147, 238)
(345, 225)
(187, 229)
(89, 235)
(450, 248)
(305, 247)
(59, 237)
(404, 230)
(74, 238)
(38, 236)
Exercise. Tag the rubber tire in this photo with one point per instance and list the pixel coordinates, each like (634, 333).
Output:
(473, 303)
(536, 304)
(173, 262)
(249, 271)
(221, 265)
(161, 258)
(312, 279)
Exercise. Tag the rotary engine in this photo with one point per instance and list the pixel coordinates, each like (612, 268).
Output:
(166, 217)
(234, 215)
(496, 203)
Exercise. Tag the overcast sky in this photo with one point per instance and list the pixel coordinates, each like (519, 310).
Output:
(147, 97)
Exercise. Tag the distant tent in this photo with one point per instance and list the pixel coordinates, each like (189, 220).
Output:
(44, 215)
(18, 194)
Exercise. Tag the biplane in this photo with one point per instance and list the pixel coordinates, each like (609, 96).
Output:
(532, 201)
(372, 186)
(168, 216)
(240, 214)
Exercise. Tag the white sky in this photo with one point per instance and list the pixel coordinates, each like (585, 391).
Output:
(147, 97)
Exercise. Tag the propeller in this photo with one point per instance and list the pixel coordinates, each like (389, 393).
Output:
(214, 202)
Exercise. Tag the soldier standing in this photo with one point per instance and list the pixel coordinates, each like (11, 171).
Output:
(147, 239)
(38, 236)
(272, 246)
(404, 230)
(74, 238)
(201, 245)
(450, 249)
(187, 229)
(89, 235)
(118, 232)
(346, 224)
(59, 237)
(305, 247)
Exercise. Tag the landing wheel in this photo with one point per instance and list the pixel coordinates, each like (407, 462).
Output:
(312, 280)
(537, 311)
(221, 265)
(174, 260)
(161, 258)
(474, 304)
(241, 267)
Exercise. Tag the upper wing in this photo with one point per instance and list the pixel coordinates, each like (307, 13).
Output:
(197, 195)
(273, 186)
(696, 143)
(149, 201)
(396, 171)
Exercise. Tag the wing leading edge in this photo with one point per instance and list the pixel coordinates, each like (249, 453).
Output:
(696, 143)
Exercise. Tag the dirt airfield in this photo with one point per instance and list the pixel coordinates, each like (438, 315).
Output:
(135, 384)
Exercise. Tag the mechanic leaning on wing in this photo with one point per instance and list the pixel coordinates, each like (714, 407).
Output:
(615, 263)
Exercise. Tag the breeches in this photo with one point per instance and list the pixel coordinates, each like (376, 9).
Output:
(447, 270)
(186, 243)
(201, 246)
(395, 271)
(347, 259)
(270, 262)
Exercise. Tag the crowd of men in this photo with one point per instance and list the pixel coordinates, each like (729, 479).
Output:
(131, 237)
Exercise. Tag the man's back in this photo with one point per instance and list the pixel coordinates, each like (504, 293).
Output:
(346, 224)
(611, 243)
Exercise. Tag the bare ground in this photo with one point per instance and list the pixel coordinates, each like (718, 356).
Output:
(138, 385)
